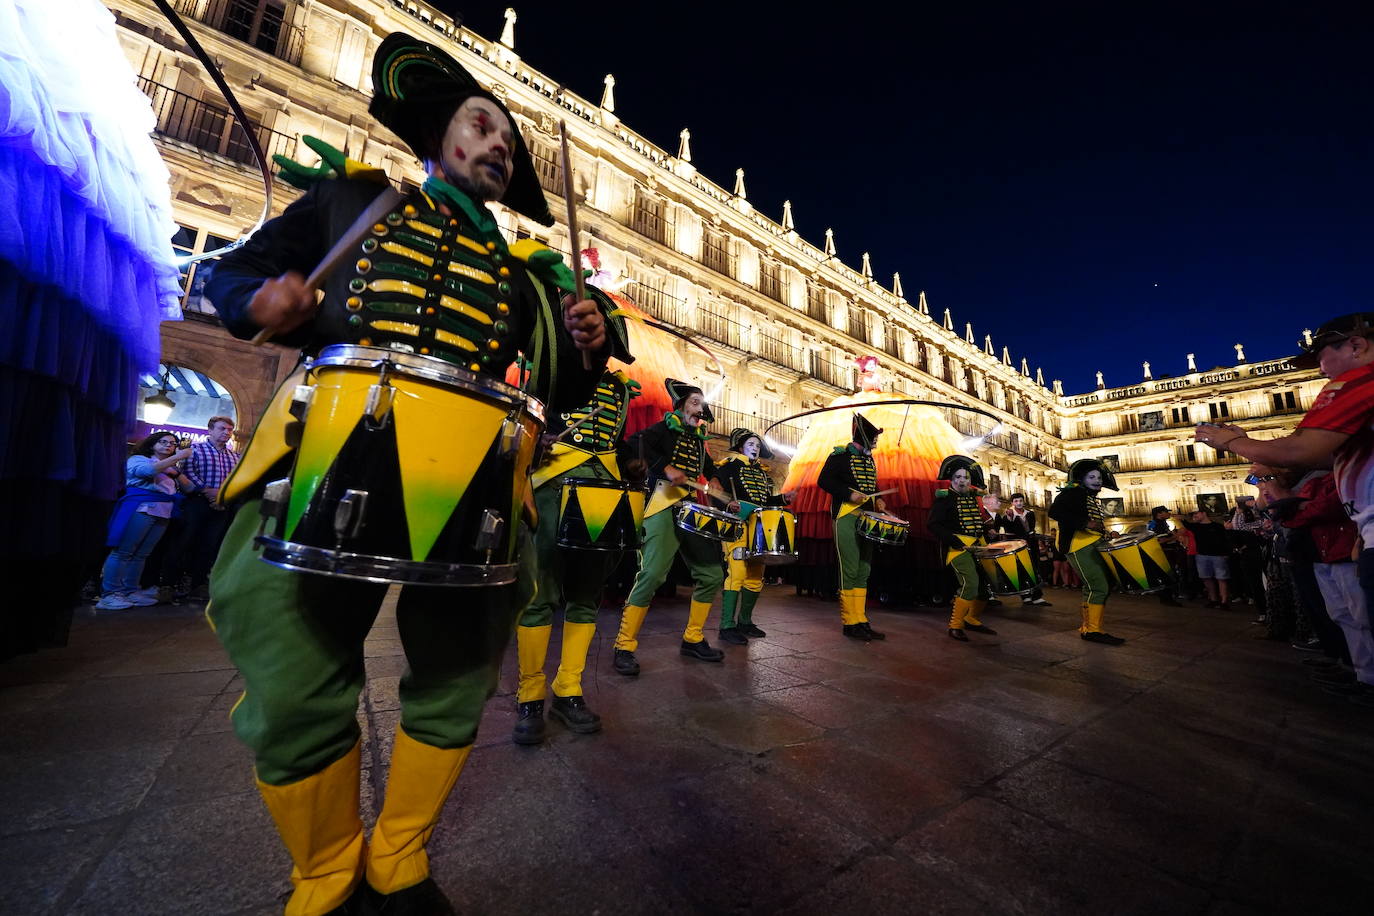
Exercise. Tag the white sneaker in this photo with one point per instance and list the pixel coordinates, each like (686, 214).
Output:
(139, 599)
(113, 603)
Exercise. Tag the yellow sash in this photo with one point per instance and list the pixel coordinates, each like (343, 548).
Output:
(1083, 538)
(564, 458)
(665, 496)
(969, 541)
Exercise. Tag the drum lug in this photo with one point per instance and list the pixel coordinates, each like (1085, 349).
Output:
(348, 516)
(276, 497)
(489, 532)
(378, 404)
(738, 554)
(512, 434)
(300, 401)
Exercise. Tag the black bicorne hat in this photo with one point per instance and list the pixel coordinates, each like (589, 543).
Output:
(1080, 468)
(417, 88)
(962, 463)
(864, 432)
(681, 391)
(739, 435)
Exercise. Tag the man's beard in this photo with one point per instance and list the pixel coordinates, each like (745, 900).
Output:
(479, 186)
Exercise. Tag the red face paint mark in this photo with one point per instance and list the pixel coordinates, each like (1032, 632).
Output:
(459, 154)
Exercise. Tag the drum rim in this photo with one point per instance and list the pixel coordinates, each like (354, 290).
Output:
(603, 483)
(325, 562)
(685, 504)
(430, 369)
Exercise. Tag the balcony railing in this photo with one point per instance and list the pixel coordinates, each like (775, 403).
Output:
(209, 127)
(779, 351)
(265, 26)
(722, 329)
(657, 303)
(815, 305)
(841, 376)
(787, 434)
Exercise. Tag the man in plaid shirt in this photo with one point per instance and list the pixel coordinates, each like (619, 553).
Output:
(203, 520)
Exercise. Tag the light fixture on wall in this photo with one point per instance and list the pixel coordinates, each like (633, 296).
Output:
(158, 407)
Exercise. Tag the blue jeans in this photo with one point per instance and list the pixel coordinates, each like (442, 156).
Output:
(125, 563)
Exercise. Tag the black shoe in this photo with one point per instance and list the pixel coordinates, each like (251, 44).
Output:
(980, 628)
(702, 651)
(529, 727)
(872, 633)
(573, 712)
(357, 903)
(957, 634)
(733, 636)
(753, 632)
(423, 899)
(624, 663)
(1105, 639)
(858, 631)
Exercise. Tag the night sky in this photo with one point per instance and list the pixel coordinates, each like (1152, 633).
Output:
(1095, 186)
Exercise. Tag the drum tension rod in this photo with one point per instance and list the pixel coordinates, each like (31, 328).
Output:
(349, 515)
(276, 498)
(489, 532)
(512, 434)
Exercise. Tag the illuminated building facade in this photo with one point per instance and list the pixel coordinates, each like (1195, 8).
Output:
(787, 317)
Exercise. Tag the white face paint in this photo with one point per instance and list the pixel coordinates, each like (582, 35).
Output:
(1093, 480)
(692, 408)
(961, 481)
(751, 447)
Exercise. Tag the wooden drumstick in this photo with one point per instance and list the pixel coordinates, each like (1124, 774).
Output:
(586, 419)
(574, 242)
(343, 248)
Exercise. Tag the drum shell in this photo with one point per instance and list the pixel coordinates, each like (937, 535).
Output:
(708, 522)
(883, 529)
(618, 516)
(771, 537)
(1137, 564)
(1009, 566)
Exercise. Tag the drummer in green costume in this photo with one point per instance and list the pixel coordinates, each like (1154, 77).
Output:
(674, 451)
(956, 519)
(1081, 528)
(851, 478)
(743, 486)
(573, 578)
(297, 638)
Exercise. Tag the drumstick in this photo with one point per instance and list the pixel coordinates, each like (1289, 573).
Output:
(343, 248)
(880, 493)
(594, 413)
(573, 241)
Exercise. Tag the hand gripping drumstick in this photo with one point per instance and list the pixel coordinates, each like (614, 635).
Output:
(343, 248)
(573, 240)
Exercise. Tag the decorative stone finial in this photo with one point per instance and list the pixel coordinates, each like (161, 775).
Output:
(987, 344)
(1059, 388)
(1192, 364)
(1039, 377)
(949, 323)
(787, 223)
(1006, 356)
(1100, 384)
(1025, 367)
(739, 184)
(508, 30)
(608, 94)
(922, 304)
(1240, 353)
(684, 145)
(866, 267)
(1307, 337)
(897, 286)
(830, 242)
(1148, 376)
(968, 333)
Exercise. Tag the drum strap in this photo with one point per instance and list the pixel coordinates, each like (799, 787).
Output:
(543, 338)
(968, 542)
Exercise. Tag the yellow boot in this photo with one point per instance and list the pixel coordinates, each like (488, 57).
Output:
(419, 783)
(531, 648)
(694, 644)
(962, 608)
(568, 706)
(972, 619)
(859, 597)
(847, 607)
(1092, 621)
(631, 619)
(317, 818)
(1084, 627)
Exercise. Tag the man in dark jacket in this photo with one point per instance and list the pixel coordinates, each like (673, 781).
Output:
(851, 478)
(296, 637)
(1019, 522)
(675, 456)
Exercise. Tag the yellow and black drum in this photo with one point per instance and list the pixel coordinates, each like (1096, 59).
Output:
(708, 522)
(596, 514)
(1009, 565)
(883, 528)
(409, 470)
(1137, 563)
(771, 537)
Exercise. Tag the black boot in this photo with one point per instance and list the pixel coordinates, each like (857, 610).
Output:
(858, 631)
(733, 636)
(872, 633)
(624, 663)
(529, 727)
(980, 628)
(753, 632)
(423, 899)
(702, 650)
(573, 712)
(955, 633)
(1105, 639)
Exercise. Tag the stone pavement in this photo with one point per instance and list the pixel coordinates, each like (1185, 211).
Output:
(1193, 770)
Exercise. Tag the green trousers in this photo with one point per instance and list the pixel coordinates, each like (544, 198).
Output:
(297, 639)
(973, 584)
(572, 578)
(1092, 569)
(662, 540)
(856, 553)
